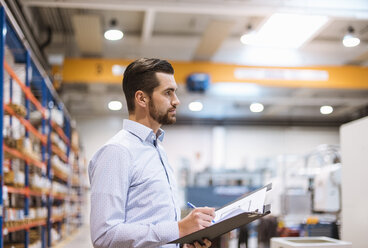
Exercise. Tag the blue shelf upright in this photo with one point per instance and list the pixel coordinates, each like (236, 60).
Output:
(26, 165)
(36, 80)
(48, 173)
(44, 158)
(2, 51)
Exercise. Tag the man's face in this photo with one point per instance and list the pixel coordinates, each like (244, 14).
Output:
(163, 103)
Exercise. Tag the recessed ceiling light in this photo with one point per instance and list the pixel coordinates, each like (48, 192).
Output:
(350, 41)
(326, 110)
(195, 106)
(287, 30)
(115, 105)
(256, 107)
(113, 34)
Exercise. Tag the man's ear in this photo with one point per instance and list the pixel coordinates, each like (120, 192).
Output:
(141, 98)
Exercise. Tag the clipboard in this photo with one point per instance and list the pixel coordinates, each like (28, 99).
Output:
(226, 225)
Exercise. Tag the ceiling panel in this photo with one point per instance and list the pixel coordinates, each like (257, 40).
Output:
(88, 34)
(180, 23)
(128, 21)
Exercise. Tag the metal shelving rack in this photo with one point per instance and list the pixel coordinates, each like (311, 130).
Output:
(36, 80)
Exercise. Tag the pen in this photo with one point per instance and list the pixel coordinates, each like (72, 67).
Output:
(191, 205)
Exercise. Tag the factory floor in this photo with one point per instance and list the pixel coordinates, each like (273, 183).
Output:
(80, 239)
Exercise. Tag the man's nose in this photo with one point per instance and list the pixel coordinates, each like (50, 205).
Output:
(176, 100)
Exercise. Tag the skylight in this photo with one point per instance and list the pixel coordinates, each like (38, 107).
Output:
(288, 30)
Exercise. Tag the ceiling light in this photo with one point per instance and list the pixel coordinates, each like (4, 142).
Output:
(349, 39)
(288, 30)
(256, 107)
(249, 37)
(326, 110)
(113, 33)
(115, 105)
(118, 70)
(195, 106)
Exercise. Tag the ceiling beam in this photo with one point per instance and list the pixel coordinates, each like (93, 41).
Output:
(275, 110)
(275, 121)
(356, 9)
(339, 77)
(347, 110)
(300, 93)
(147, 28)
(214, 35)
(304, 101)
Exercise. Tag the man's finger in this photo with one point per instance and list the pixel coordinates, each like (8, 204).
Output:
(205, 217)
(197, 245)
(207, 210)
(204, 223)
(207, 242)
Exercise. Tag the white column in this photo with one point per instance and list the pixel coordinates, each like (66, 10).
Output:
(354, 173)
(218, 147)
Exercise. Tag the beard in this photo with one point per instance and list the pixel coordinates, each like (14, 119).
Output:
(162, 118)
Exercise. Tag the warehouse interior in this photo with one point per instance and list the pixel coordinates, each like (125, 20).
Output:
(271, 91)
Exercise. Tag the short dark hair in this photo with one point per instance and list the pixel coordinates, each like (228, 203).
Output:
(141, 75)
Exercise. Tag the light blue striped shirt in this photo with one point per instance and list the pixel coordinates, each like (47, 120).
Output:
(133, 191)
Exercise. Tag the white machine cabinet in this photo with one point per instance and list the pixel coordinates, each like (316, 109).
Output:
(308, 242)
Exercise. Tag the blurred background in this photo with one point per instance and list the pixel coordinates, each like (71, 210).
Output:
(270, 90)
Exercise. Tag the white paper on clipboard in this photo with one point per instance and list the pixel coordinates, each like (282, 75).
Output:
(251, 203)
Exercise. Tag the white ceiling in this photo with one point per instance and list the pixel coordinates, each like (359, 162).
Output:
(209, 30)
(176, 29)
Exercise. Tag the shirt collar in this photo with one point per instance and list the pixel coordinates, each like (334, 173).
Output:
(142, 132)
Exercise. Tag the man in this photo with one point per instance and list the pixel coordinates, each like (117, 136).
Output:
(133, 190)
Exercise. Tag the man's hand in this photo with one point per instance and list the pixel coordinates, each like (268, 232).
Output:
(196, 244)
(196, 220)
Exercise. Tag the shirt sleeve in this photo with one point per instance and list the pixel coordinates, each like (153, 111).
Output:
(110, 180)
